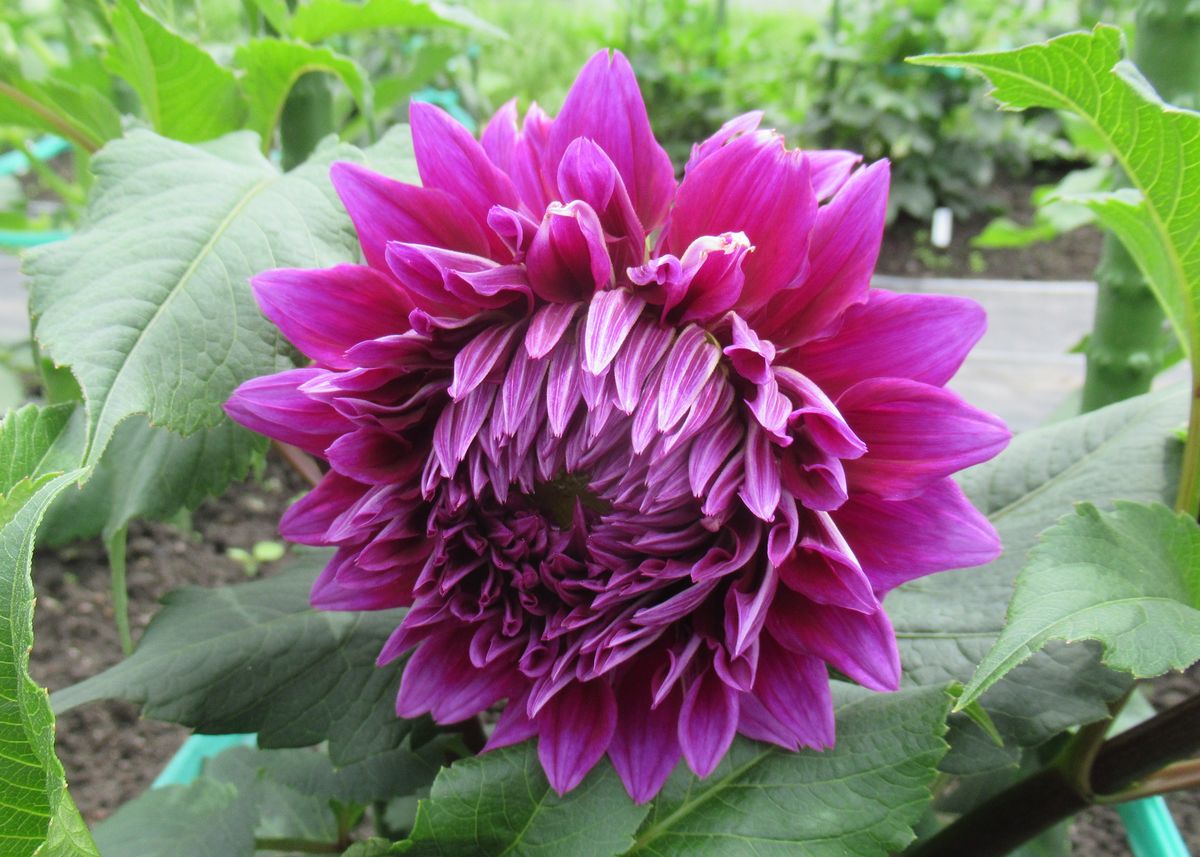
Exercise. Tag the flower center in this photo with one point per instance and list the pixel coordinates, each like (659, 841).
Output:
(558, 497)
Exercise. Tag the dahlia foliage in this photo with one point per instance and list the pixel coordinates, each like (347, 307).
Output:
(642, 458)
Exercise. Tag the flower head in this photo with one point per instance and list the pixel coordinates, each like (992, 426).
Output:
(641, 458)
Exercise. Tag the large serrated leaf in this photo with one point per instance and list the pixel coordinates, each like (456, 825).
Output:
(27, 440)
(946, 623)
(185, 94)
(1129, 579)
(500, 803)
(861, 797)
(35, 808)
(149, 304)
(257, 658)
(148, 473)
(1157, 146)
(203, 819)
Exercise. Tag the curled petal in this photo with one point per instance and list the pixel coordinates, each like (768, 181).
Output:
(587, 173)
(568, 259)
(275, 406)
(605, 105)
(735, 127)
(440, 680)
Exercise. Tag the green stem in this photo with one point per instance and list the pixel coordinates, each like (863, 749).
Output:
(1188, 499)
(70, 194)
(304, 846)
(1127, 344)
(115, 545)
(307, 118)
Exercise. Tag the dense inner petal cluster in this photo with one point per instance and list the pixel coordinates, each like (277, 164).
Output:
(642, 460)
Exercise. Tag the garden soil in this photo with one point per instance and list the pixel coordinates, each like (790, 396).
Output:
(111, 754)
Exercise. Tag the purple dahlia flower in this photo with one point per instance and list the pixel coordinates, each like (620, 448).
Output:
(641, 458)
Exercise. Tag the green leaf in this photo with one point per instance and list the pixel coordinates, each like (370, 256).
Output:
(501, 803)
(185, 94)
(257, 658)
(861, 797)
(1157, 145)
(320, 19)
(149, 304)
(272, 68)
(946, 623)
(80, 113)
(148, 473)
(203, 819)
(27, 439)
(33, 791)
(1129, 578)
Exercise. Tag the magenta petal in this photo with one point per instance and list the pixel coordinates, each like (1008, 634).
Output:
(899, 540)
(830, 169)
(307, 521)
(692, 360)
(753, 185)
(532, 175)
(825, 570)
(645, 347)
(547, 327)
(605, 105)
(586, 173)
(440, 680)
(915, 434)
(794, 688)
(513, 727)
(860, 645)
(574, 730)
(273, 405)
(373, 456)
(761, 489)
(499, 137)
(922, 337)
(478, 358)
(328, 594)
(735, 127)
(750, 355)
(610, 317)
(568, 259)
(324, 312)
(645, 746)
(384, 210)
(450, 159)
(707, 722)
(746, 606)
(425, 272)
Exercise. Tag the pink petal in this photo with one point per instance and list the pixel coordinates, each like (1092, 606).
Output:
(899, 540)
(750, 355)
(575, 728)
(439, 679)
(825, 570)
(476, 361)
(922, 337)
(915, 434)
(587, 173)
(307, 521)
(860, 645)
(374, 457)
(273, 405)
(830, 169)
(794, 688)
(499, 137)
(531, 173)
(605, 105)
(425, 272)
(611, 316)
(693, 358)
(746, 605)
(845, 245)
(547, 327)
(384, 210)
(753, 185)
(735, 127)
(513, 727)
(707, 722)
(645, 747)
(760, 490)
(568, 259)
(323, 312)
(450, 159)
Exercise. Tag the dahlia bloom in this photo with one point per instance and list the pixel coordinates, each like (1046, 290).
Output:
(641, 458)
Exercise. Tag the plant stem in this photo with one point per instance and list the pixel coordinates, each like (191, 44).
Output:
(1127, 344)
(1172, 778)
(115, 546)
(1123, 765)
(1188, 499)
(300, 461)
(304, 846)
